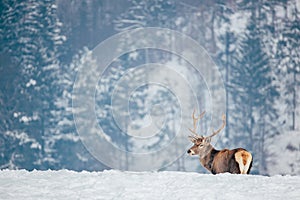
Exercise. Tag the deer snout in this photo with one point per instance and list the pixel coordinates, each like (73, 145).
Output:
(190, 152)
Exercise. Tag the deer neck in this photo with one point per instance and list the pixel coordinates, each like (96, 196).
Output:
(207, 156)
(204, 153)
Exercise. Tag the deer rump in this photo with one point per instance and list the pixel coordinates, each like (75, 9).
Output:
(236, 161)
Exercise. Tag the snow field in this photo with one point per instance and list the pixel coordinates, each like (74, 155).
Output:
(114, 184)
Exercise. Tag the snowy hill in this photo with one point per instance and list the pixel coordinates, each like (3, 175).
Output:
(112, 184)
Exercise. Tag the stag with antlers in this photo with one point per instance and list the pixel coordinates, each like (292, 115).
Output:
(235, 161)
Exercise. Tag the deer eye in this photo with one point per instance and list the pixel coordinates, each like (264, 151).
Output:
(201, 145)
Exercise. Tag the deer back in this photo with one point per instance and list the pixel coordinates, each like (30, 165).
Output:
(235, 161)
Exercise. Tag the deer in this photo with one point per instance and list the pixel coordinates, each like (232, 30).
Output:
(235, 161)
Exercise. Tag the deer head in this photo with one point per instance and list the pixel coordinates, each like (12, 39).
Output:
(201, 143)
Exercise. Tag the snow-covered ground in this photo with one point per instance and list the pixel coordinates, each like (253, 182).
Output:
(113, 184)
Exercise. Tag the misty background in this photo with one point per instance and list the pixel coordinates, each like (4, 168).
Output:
(255, 44)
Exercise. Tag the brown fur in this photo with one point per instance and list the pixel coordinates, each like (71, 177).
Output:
(226, 160)
(245, 156)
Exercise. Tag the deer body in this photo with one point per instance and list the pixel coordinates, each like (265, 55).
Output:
(235, 161)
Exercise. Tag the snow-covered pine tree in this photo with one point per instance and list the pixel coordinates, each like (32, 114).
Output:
(226, 43)
(142, 14)
(226, 59)
(288, 56)
(253, 95)
(76, 156)
(146, 14)
(33, 34)
(285, 155)
(50, 69)
(105, 88)
(19, 27)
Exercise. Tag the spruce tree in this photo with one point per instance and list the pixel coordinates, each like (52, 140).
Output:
(253, 95)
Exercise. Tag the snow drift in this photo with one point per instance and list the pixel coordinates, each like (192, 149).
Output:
(113, 184)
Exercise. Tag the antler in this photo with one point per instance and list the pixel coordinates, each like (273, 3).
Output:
(195, 136)
(223, 125)
(195, 119)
